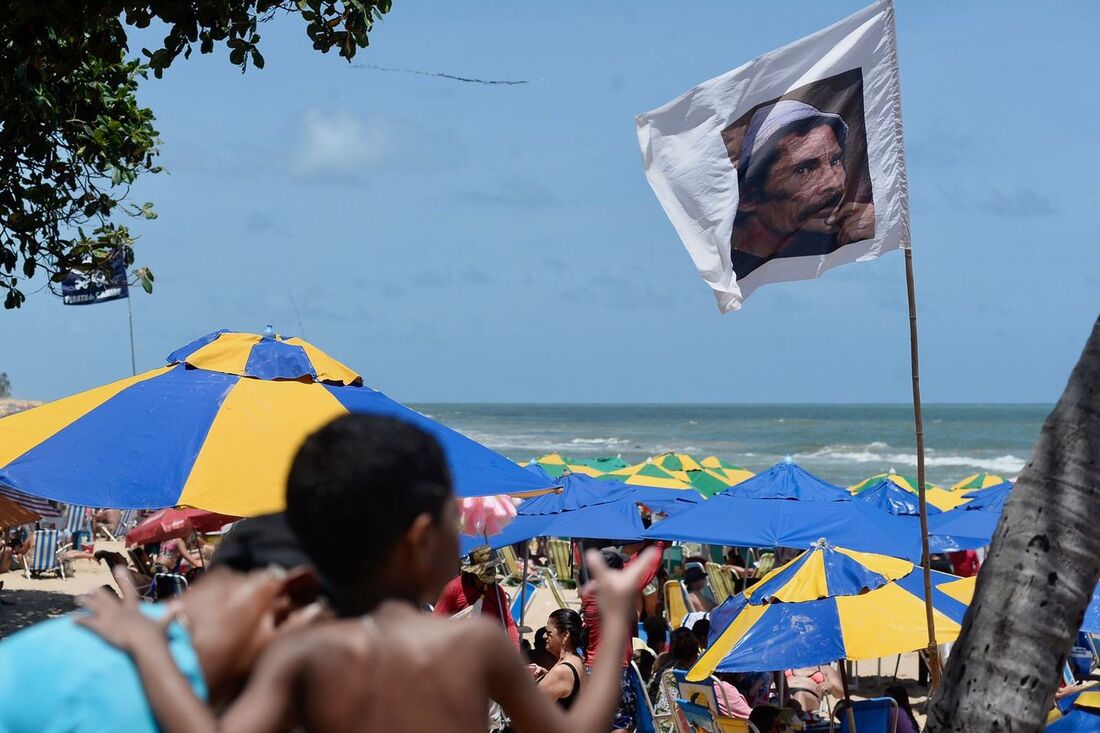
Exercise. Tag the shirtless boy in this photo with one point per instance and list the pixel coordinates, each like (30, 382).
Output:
(370, 499)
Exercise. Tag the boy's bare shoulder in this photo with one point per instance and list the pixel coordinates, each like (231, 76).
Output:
(336, 640)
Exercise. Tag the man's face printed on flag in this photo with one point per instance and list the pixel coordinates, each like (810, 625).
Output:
(805, 184)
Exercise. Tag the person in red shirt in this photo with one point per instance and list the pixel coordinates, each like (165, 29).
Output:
(625, 713)
(964, 563)
(478, 582)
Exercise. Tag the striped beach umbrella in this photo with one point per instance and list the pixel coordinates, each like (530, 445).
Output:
(778, 634)
(215, 429)
(676, 462)
(826, 571)
(981, 480)
(557, 465)
(648, 473)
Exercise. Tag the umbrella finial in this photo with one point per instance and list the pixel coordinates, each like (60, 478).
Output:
(269, 331)
(787, 459)
(893, 472)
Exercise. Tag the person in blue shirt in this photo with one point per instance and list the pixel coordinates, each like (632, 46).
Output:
(60, 676)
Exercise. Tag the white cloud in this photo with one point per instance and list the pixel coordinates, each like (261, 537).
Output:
(340, 144)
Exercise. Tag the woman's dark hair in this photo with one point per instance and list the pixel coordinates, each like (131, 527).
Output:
(566, 620)
(764, 717)
(683, 647)
(901, 696)
(540, 638)
(656, 630)
(701, 629)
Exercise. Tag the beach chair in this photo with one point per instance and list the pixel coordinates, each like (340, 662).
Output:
(645, 717)
(765, 563)
(555, 589)
(676, 603)
(45, 554)
(721, 582)
(701, 720)
(561, 556)
(706, 694)
(876, 715)
(522, 602)
(78, 525)
(167, 585)
(511, 563)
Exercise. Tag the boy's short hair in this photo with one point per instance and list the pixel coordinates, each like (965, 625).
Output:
(354, 489)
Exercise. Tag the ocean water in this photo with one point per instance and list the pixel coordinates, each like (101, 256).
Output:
(840, 443)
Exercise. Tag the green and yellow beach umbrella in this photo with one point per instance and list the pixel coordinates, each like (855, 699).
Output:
(558, 465)
(648, 473)
(676, 462)
(981, 480)
(938, 497)
(711, 481)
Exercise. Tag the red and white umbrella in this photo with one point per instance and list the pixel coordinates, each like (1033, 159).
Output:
(167, 524)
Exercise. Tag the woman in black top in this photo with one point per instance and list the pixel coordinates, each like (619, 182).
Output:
(563, 636)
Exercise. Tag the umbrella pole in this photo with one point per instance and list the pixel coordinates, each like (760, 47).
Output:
(523, 585)
(847, 698)
(918, 419)
(202, 560)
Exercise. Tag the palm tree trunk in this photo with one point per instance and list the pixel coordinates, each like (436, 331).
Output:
(1039, 577)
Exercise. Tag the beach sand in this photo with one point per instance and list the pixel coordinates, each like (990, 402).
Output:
(37, 599)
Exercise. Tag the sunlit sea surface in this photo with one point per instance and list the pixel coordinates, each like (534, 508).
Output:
(840, 443)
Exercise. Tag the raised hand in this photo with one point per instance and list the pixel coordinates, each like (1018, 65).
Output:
(617, 589)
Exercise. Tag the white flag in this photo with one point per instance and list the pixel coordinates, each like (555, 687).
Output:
(789, 165)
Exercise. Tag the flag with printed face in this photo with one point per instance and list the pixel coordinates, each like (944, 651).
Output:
(789, 165)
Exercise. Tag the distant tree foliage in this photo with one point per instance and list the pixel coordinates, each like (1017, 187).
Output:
(5, 386)
(73, 138)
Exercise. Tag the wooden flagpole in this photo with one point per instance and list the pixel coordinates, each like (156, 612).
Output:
(918, 419)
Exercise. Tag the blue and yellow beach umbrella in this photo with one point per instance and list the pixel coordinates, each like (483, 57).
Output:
(215, 429)
(827, 604)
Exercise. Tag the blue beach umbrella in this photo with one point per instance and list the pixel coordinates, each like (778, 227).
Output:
(215, 429)
(1091, 624)
(971, 525)
(580, 491)
(614, 520)
(730, 520)
(787, 480)
(786, 506)
(993, 498)
(891, 498)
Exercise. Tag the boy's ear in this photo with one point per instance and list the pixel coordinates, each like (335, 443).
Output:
(420, 536)
(301, 586)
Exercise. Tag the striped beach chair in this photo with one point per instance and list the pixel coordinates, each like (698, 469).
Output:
(45, 554)
(78, 525)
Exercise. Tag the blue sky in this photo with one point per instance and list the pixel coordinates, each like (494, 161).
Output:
(457, 242)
